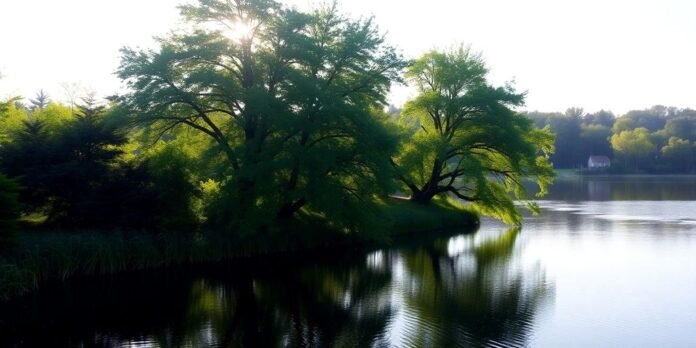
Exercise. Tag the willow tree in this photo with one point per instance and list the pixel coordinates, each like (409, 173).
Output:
(291, 101)
(466, 139)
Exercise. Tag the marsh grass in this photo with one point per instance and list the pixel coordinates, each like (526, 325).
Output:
(41, 255)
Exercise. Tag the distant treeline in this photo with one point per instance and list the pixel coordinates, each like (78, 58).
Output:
(656, 140)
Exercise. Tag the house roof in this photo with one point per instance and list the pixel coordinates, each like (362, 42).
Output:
(600, 159)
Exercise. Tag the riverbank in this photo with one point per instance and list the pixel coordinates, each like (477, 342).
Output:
(617, 173)
(42, 255)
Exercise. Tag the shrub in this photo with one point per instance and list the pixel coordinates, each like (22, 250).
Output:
(9, 209)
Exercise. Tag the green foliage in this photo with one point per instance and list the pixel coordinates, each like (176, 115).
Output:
(289, 99)
(465, 140)
(50, 254)
(633, 146)
(568, 128)
(174, 190)
(11, 118)
(682, 127)
(601, 118)
(633, 142)
(659, 138)
(53, 115)
(404, 217)
(27, 156)
(579, 136)
(623, 124)
(9, 209)
(80, 159)
(594, 138)
(652, 119)
(679, 154)
(73, 175)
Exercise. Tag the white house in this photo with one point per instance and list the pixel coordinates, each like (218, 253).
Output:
(598, 162)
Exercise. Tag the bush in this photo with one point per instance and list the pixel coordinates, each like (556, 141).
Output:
(173, 190)
(9, 209)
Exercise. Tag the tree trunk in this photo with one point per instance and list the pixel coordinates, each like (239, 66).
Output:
(246, 191)
(289, 209)
(422, 196)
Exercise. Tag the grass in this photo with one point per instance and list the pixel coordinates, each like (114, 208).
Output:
(408, 218)
(41, 255)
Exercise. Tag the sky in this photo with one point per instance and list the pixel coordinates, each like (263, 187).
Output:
(615, 55)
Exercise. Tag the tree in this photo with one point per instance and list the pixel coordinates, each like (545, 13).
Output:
(72, 91)
(633, 145)
(623, 124)
(568, 130)
(652, 119)
(541, 119)
(54, 116)
(173, 189)
(595, 140)
(682, 127)
(575, 112)
(11, 118)
(679, 155)
(466, 140)
(27, 157)
(40, 102)
(601, 117)
(291, 100)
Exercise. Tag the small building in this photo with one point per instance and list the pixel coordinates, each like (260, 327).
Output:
(598, 162)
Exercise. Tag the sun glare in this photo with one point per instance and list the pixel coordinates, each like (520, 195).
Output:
(240, 31)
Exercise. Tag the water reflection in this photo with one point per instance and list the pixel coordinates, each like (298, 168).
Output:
(622, 188)
(474, 296)
(460, 291)
(610, 262)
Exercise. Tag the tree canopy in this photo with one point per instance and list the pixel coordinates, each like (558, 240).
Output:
(255, 116)
(466, 140)
(291, 100)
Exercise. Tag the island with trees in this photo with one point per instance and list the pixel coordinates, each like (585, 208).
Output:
(264, 129)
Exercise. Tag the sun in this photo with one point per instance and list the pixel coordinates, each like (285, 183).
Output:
(240, 30)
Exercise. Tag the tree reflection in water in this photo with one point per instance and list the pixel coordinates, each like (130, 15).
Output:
(478, 295)
(462, 291)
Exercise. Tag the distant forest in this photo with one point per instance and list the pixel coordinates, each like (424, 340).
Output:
(656, 140)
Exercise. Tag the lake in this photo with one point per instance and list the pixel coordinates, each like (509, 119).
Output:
(611, 262)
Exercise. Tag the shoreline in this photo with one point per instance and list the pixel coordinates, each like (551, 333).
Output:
(45, 256)
(572, 172)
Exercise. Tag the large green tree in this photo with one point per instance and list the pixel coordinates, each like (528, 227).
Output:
(291, 100)
(466, 140)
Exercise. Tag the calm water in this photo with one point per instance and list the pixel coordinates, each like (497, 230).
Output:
(610, 263)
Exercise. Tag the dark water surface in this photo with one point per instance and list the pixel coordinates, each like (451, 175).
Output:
(611, 262)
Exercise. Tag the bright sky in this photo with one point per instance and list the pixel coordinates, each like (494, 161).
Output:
(611, 54)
